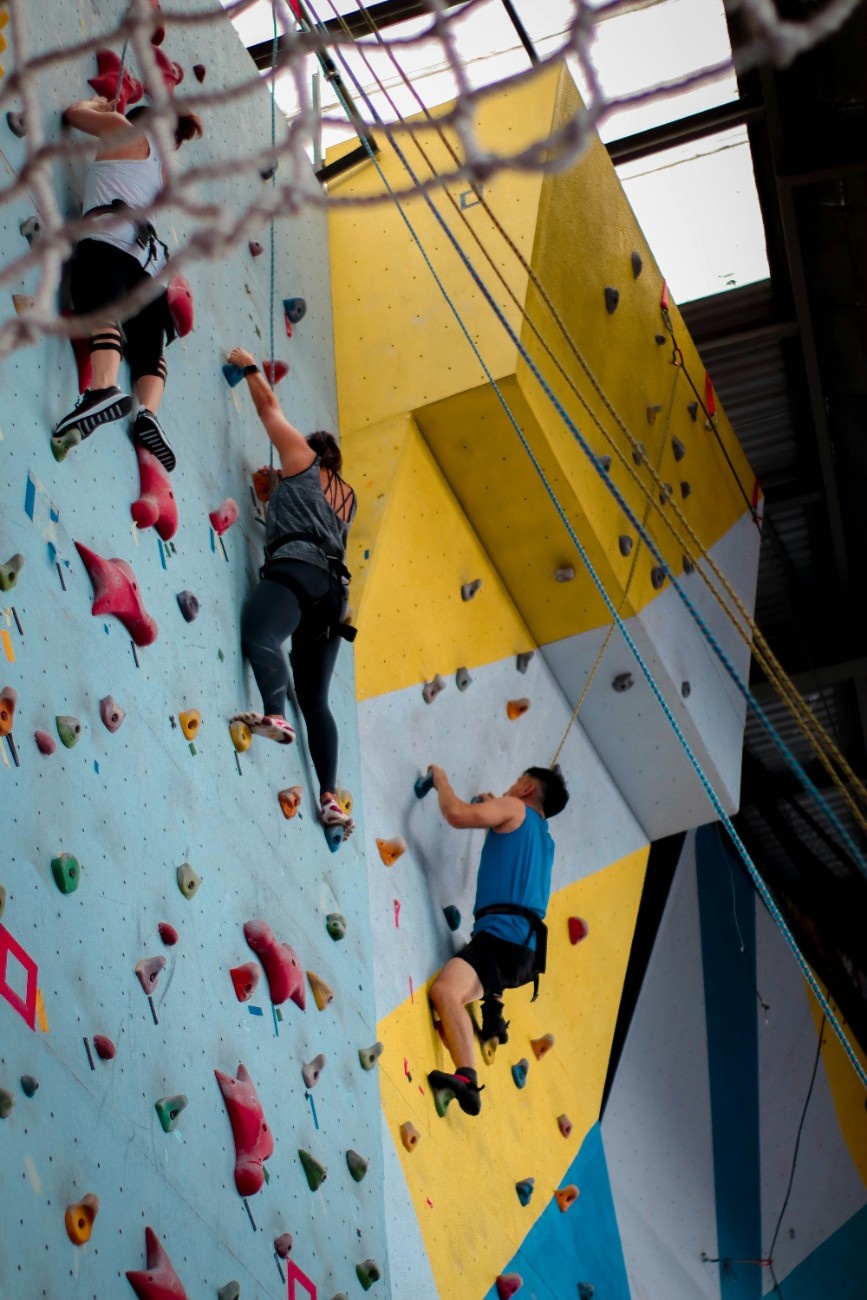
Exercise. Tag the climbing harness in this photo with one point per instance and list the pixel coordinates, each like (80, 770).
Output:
(336, 568)
(145, 233)
(537, 928)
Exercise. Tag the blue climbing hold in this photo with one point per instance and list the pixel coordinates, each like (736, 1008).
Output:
(423, 785)
(452, 915)
(294, 309)
(234, 374)
(519, 1072)
(334, 837)
(525, 1190)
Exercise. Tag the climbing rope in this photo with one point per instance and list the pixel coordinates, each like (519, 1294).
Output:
(813, 730)
(825, 747)
(603, 593)
(273, 287)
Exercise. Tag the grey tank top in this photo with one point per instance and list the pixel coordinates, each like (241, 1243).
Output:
(298, 505)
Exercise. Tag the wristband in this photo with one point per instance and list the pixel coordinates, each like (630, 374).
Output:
(250, 370)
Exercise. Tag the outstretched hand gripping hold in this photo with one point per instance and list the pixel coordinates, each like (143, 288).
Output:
(423, 784)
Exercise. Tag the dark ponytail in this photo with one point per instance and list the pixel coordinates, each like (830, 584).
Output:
(327, 448)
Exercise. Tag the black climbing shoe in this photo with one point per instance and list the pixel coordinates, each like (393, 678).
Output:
(493, 1024)
(95, 406)
(148, 432)
(448, 1086)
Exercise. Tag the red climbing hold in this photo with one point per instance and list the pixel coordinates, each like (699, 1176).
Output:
(275, 373)
(254, 1142)
(105, 1048)
(172, 73)
(158, 1280)
(283, 1244)
(508, 1284)
(578, 929)
(256, 249)
(105, 83)
(244, 979)
(116, 592)
(156, 506)
(709, 399)
(168, 934)
(158, 35)
(199, 71)
(179, 297)
(283, 970)
(223, 518)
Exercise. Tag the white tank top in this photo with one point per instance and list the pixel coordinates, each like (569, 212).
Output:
(137, 181)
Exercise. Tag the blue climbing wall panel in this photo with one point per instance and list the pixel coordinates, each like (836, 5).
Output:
(135, 805)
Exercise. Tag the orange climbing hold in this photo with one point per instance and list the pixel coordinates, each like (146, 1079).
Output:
(290, 800)
(8, 696)
(323, 996)
(517, 708)
(158, 1280)
(80, 1217)
(190, 720)
(409, 1135)
(566, 1196)
(391, 850)
(542, 1045)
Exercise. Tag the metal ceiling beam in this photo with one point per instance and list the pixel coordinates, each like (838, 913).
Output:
(356, 24)
(684, 130)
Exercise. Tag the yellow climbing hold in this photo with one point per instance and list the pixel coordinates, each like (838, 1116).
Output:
(190, 721)
(344, 800)
(322, 994)
(242, 736)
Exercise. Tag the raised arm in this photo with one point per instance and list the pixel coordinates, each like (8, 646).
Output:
(291, 446)
(98, 116)
(503, 813)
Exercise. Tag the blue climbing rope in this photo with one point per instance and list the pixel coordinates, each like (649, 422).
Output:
(585, 558)
(272, 287)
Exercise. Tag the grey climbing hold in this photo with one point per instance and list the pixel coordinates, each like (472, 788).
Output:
(10, 570)
(524, 1188)
(314, 1170)
(692, 407)
(368, 1056)
(586, 1291)
(688, 566)
(469, 589)
(111, 713)
(188, 880)
(665, 492)
(294, 309)
(462, 679)
(267, 172)
(612, 298)
(624, 542)
(564, 574)
(635, 259)
(231, 1291)
(685, 690)
(639, 455)
(685, 489)
(311, 1071)
(604, 463)
(148, 972)
(189, 605)
(335, 924)
(368, 1272)
(7, 1101)
(653, 411)
(432, 689)
(357, 1165)
(522, 662)
(659, 339)
(17, 124)
(678, 448)
(622, 682)
(657, 577)
(452, 915)
(31, 229)
(423, 784)
(68, 729)
(29, 1085)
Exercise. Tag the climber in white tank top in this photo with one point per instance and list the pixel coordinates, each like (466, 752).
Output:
(119, 254)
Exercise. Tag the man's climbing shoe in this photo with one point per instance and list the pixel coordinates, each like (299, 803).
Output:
(271, 726)
(149, 433)
(454, 1087)
(493, 1024)
(95, 406)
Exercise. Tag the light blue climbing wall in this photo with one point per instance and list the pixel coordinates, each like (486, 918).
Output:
(135, 805)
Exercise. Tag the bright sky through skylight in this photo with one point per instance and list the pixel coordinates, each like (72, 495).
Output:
(696, 204)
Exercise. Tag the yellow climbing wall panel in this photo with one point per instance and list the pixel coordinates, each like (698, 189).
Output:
(4, 19)
(421, 550)
(399, 350)
(463, 1171)
(846, 1088)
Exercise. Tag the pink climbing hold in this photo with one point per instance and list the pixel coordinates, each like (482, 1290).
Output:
(105, 1048)
(283, 1244)
(148, 972)
(508, 1284)
(116, 592)
(105, 83)
(156, 506)
(283, 970)
(172, 73)
(256, 249)
(44, 743)
(168, 934)
(158, 1280)
(179, 297)
(254, 1142)
(245, 979)
(578, 929)
(223, 518)
(274, 374)
(111, 713)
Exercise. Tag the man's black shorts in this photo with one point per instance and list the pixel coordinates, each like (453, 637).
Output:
(498, 963)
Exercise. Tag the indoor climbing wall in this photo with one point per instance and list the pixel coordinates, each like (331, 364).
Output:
(516, 457)
(179, 961)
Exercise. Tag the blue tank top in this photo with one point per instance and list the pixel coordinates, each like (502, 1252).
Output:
(515, 867)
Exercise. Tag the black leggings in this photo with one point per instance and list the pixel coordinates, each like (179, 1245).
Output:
(102, 274)
(300, 600)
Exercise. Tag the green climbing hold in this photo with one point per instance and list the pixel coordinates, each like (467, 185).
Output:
(63, 444)
(231, 1291)
(67, 872)
(29, 1085)
(188, 880)
(10, 570)
(442, 1097)
(357, 1165)
(168, 1109)
(315, 1171)
(7, 1101)
(68, 729)
(368, 1272)
(368, 1056)
(335, 924)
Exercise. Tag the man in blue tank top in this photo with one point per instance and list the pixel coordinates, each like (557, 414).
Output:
(507, 946)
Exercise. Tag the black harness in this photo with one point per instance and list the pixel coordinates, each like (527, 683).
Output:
(537, 927)
(336, 568)
(145, 233)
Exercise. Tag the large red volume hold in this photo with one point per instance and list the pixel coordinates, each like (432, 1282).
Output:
(254, 1142)
(283, 970)
(116, 592)
(172, 73)
(156, 506)
(158, 1280)
(106, 81)
(179, 297)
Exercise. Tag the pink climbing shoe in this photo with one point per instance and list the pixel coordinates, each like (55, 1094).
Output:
(332, 815)
(271, 726)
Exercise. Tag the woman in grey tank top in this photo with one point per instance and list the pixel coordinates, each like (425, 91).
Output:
(302, 593)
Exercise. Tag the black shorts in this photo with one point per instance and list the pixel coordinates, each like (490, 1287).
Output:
(498, 963)
(102, 274)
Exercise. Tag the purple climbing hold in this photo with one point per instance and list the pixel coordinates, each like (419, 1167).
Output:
(612, 298)
(148, 972)
(311, 1071)
(111, 713)
(188, 603)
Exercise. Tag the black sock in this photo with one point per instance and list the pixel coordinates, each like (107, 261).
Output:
(467, 1072)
